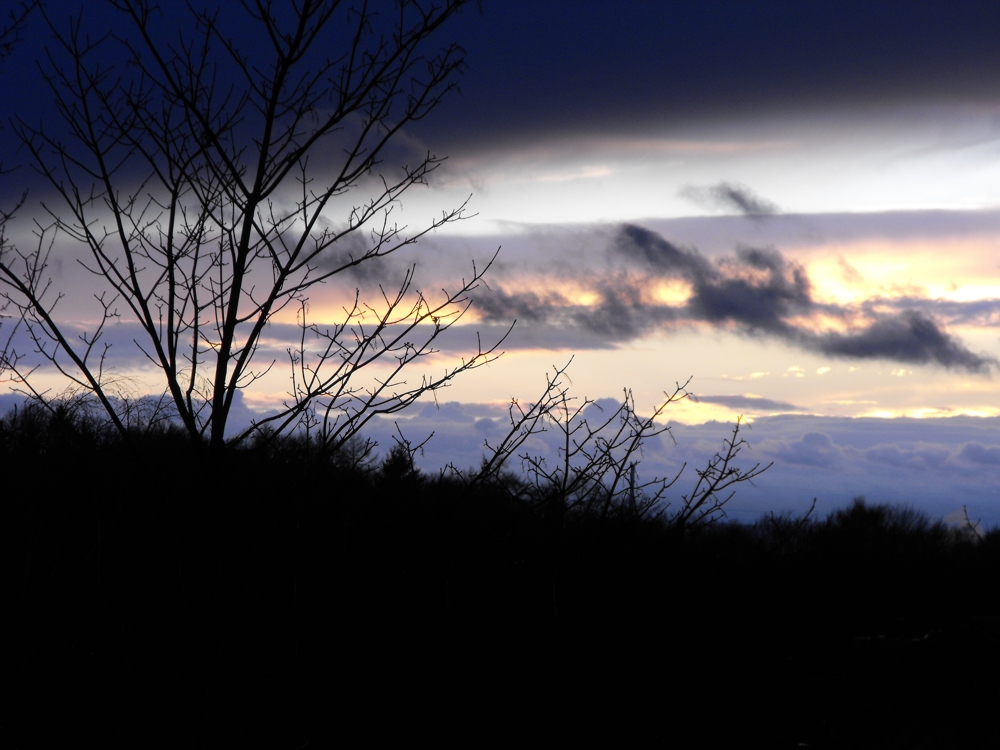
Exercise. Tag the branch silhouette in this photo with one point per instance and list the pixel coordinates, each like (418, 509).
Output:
(212, 189)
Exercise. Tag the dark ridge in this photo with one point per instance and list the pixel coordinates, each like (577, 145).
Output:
(277, 597)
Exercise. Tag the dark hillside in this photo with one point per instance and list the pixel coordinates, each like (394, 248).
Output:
(159, 593)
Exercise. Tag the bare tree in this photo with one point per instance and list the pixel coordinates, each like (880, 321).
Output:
(594, 471)
(593, 474)
(211, 177)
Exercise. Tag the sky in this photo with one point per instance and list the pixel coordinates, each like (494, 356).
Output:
(793, 208)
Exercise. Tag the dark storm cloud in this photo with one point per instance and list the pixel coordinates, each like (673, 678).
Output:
(730, 197)
(643, 247)
(909, 337)
(621, 315)
(721, 292)
(755, 290)
(983, 312)
(718, 296)
(765, 302)
(551, 69)
(497, 305)
(752, 403)
(758, 304)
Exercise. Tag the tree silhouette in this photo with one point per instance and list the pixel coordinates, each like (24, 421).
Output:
(593, 472)
(210, 172)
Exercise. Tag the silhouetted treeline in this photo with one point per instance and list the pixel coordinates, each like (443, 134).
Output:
(275, 596)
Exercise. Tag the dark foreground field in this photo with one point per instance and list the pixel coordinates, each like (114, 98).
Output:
(159, 595)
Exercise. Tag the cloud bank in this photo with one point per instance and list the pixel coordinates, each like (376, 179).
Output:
(935, 465)
(750, 403)
(755, 291)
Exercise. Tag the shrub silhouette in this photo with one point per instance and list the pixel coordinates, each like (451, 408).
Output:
(397, 467)
(867, 523)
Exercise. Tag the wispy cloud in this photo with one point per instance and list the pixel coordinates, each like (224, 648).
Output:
(750, 403)
(731, 198)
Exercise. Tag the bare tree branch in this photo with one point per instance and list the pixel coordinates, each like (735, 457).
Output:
(598, 454)
(175, 173)
(13, 25)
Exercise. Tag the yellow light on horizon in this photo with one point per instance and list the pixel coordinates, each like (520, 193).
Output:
(930, 413)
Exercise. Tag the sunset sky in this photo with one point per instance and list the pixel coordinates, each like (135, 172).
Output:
(795, 205)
